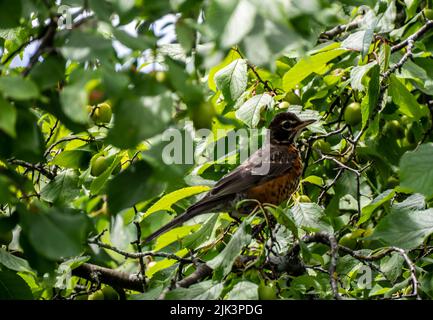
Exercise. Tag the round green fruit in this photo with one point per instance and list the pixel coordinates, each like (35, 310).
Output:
(292, 98)
(160, 76)
(267, 292)
(352, 114)
(102, 113)
(110, 293)
(395, 129)
(82, 297)
(99, 165)
(203, 115)
(6, 237)
(348, 240)
(97, 295)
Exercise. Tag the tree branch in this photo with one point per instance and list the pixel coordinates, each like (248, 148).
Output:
(427, 26)
(108, 276)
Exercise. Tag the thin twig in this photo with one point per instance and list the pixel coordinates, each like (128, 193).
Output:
(66, 139)
(139, 250)
(341, 28)
(52, 130)
(136, 255)
(38, 167)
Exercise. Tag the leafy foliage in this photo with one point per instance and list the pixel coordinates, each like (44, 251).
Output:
(88, 90)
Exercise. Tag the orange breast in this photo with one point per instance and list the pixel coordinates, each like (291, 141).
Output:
(279, 189)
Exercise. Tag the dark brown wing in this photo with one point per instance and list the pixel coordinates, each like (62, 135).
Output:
(243, 178)
(253, 171)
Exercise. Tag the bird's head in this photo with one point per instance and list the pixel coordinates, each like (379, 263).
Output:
(286, 127)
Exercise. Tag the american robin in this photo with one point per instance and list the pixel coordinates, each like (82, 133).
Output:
(279, 156)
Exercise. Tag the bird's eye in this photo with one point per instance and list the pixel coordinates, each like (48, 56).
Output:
(286, 124)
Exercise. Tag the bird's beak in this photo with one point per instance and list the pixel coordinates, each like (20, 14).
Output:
(305, 123)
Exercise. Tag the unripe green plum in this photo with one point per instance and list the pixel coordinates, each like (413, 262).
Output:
(203, 115)
(394, 128)
(352, 114)
(110, 293)
(102, 113)
(267, 292)
(99, 165)
(97, 295)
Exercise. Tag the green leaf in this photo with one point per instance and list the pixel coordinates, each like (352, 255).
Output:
(13, 262)
(136, 43)
(358, 73)
(309, 216)
(31, 144)
(307, 66)
(173, 236)
(49, 72)
(231, 56)
(413, 202)
(10, 13)
(55, 233)
(99, 182)
(370, 103)
(185, 34)
(205, 290)
(74, 102)
(232, 79)
(355, 41)
(230, 20)
(136, 184)
(244, 290)
(392, 266)
(386, 23)
(167, 201)
(250, 111)
(8, 117)
(202, 236)
(318, 181)
(82, 46)
(18, 88)
(139, 119)
(366, 41)
(406, 102)
(405, 229)
(284, 218)
(63, 188)
(416, 170)
(13, 287)
(368, 210)
(222, 263)
(73, 159)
